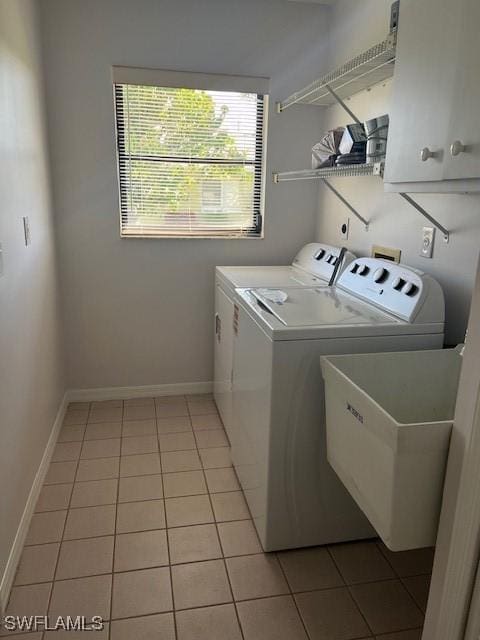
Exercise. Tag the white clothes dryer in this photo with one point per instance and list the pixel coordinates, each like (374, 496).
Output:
(278, 430)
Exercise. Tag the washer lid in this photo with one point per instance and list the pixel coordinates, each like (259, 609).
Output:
(268, 277)
(318, 307)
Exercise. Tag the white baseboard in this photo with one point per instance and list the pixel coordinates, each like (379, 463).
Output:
(148, 391)
(17, 547)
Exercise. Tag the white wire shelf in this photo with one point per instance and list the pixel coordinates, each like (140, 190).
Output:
(366, 70)
(345, 171)
(362, 72)
(354, 170)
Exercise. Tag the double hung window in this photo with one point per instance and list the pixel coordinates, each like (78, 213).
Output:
(191, 153)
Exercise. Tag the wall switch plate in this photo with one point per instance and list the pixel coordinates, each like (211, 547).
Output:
(428, 237)
(345, 228)
(26, 230)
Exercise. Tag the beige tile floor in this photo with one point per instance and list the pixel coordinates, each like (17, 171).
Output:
(141, 520)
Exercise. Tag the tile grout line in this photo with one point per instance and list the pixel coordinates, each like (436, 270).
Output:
(142, 475)
(179, 564)
(175, 630)
(121, 533)
(403, 581)
(209, 606)
(397, 575)
(63, 530)
(400, 578)
(292, 594)
(139, 435)
(223, 557)
(225, 566)
(187, 495)
(110, 624)
(140, 453)
(69, 508)
(164, 566)
(357, 606)
(396, 578)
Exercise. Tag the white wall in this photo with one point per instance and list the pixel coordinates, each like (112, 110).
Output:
(31, 382)
(356, 26)
(140, 311)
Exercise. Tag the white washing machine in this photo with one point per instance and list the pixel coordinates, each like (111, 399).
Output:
(312, 266)
(278, 432)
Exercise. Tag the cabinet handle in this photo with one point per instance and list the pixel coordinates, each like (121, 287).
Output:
(425, 154)
(457, 147)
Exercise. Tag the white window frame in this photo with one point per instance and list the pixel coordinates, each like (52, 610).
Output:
(194, 80)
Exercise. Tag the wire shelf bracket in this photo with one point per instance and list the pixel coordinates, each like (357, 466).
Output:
(342, 104)
(346, 203)
(445, 232)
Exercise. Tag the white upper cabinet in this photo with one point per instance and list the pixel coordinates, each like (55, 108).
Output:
(434, 134)
(463, 147)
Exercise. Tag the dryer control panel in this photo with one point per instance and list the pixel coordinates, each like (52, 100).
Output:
(321, 259)
(403, 291)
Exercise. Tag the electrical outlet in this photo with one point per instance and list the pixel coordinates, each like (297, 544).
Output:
(26, 230)
(428, 237)
(344, 229)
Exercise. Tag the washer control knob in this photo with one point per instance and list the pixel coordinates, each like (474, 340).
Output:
(409, 289)
(380, 274)
(398, 283)
(363, 270)
(319, 254)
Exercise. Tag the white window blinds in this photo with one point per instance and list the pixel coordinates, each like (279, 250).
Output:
(190, 161)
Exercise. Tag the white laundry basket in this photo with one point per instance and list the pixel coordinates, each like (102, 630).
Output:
(389, 417)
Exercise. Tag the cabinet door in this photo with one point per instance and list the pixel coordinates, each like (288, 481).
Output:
(223, 352)
(423, 84)
(464, 124)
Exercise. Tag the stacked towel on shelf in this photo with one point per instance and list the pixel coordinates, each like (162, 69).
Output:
(325, 152)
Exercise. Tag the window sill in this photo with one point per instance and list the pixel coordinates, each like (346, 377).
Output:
(153, 236)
